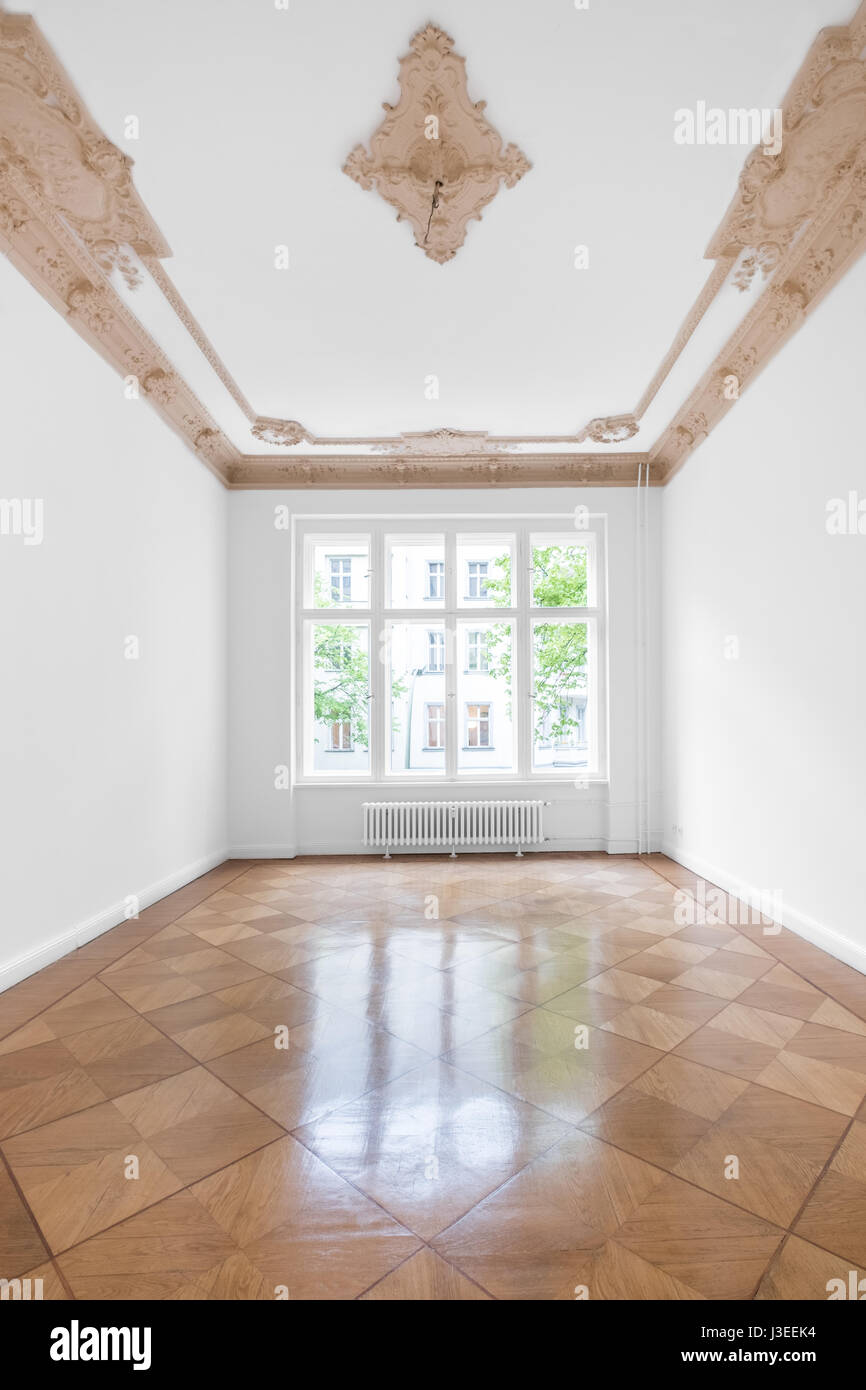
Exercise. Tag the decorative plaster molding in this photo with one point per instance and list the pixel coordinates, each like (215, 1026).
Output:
(824, 134)
(70, 216)
(444, 441)
(434, 157)
(612, 429)
(70, 220)
(288, 432)
(49, 138)
(458, 471)
(799, 218)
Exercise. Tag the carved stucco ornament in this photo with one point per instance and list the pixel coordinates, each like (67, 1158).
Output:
(49, 140)
(610, 429)
(822, 137)
(161, 385)
(434, 157)
(443, 441)
(272, 431)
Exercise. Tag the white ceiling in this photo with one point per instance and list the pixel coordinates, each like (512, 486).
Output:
(248, 112)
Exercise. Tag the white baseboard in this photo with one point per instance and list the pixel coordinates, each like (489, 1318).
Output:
(829, 940)
(31, 961)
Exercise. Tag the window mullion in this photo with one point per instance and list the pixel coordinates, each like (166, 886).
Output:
(452, 714)
(521, 699)
(380, 666)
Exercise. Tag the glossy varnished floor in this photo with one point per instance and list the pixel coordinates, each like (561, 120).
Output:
(540, 1089)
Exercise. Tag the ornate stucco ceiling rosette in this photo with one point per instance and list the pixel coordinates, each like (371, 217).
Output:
(435, 158)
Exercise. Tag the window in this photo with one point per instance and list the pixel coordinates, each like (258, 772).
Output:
(476, 583)
(341, 578)
(435, 726)
(502, 681)
(336, 571)
(436, 650)
(341, 736)
(435, 579)
(337, 693)
(476, 651)
(477, 726)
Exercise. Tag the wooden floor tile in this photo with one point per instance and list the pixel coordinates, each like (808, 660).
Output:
(425, 1277)
(690, 1086)
(302, 1226)
(41, 1083)
(780, 1147)
(646, 1126)
(711, 1246)
(431, 1144)
(125, 1055)
(150, 1256)
(73, 1173)
(195, 1123)
(805, 1272)
(835, 1216)
(20, 1243)
(530, 1239)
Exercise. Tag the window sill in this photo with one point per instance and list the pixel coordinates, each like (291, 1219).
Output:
(437, 779)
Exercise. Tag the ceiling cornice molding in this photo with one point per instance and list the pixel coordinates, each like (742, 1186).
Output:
(814, 205)
(455, 471)
(70, 217)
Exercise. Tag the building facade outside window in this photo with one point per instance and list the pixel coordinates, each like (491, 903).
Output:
(476, 651)
(476, 584)
(436, 651)
(436, 726)
(435, 578)
(477, 726)
(341, 736)
(341, 578)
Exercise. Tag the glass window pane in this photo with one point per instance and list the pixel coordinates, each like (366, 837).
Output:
(560, 672)
(341, 573)
(559, 573)
(416, 697)
(484, 571)
(416, 571)
(341, 693)
(485, 733)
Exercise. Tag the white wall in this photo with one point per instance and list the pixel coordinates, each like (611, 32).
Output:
(765, 755)
(327, 819)
(112, 772)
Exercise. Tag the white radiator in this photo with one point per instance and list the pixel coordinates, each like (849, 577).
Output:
(426, 824)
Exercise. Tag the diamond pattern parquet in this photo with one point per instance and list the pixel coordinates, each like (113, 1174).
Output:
(288, 1079)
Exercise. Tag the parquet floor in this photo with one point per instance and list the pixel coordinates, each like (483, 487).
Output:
(296, 1079)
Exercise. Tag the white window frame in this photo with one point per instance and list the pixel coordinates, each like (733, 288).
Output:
(524, 531)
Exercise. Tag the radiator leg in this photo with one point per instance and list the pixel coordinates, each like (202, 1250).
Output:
(453, 854)
(387, 854)
(519, 854)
